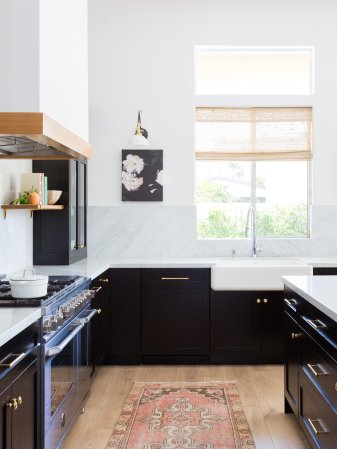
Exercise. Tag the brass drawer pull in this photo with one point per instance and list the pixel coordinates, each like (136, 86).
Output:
(96, 289)
(175, 279)
(290, 302)
(265, 300)
(104, 280)
(17, 359)
(258, 300)
(316, 324)
(316, 373)
(312, 423)
(295, 335)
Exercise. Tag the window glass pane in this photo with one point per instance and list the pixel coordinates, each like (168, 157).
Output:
(253, 71)
(281, 199)
(223, 198)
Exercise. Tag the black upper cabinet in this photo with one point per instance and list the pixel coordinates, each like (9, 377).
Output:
(60, 237)
(246, 327)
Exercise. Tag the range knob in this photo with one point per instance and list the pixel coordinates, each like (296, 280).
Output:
(66, 311)
(46, 327)
(53, 323)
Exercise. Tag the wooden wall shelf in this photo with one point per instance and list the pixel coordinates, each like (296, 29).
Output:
(30, 207)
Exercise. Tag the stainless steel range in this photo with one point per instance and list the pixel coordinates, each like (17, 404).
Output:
(65, 351)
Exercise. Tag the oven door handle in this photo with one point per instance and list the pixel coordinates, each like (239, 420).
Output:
(59, 348)
(90, 316)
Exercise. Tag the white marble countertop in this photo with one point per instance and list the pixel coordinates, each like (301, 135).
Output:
(320, 291)
(13, 320)
(93, 267)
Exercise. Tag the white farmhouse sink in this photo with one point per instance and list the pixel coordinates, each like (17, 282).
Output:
(255, 274)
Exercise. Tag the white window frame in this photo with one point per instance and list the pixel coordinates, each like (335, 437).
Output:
(249, 101)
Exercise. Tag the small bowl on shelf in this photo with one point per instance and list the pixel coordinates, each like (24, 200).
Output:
(54, 196)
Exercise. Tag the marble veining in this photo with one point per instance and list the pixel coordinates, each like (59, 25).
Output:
(151, 230)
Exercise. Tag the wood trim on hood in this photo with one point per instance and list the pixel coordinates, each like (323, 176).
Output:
(57, 141)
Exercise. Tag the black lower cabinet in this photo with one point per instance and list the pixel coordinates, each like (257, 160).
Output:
(246, 327)
(310, 387)
(100, 323)
(19, 393)
(175, 316)
(123, 343)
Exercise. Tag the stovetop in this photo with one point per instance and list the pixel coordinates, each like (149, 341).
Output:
(57, 286)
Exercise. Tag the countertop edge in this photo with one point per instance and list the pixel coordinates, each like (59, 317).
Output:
(21, 325)
(313, 301)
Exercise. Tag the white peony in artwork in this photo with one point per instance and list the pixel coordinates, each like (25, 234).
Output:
(133, 163)
(142, 175)
(131, 182)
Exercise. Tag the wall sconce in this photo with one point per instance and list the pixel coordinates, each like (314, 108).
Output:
(140, 136)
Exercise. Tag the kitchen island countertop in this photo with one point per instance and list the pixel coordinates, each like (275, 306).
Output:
(320, 291)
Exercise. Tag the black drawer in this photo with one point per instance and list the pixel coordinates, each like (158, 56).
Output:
(316, 417)
(321, 369)
(175, 277)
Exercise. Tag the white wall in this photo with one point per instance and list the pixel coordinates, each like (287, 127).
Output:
(141, 55)
(19, 91)
(64, 63)
(44, 67)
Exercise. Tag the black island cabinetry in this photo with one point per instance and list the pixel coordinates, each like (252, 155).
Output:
(310, 384)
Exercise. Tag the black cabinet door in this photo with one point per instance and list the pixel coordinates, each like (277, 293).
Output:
(235, 337)
(60, 237)
(271, 325)
(246, 327)
(124, 316)
(175, 321)
(5, 419)
(24, 418)
(100, 321)
(293, 343)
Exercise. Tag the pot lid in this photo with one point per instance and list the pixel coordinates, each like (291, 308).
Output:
(29, 277)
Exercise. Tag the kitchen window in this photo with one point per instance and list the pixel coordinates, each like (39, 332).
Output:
(259, 155)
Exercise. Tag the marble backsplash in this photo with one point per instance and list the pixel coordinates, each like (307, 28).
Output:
(16, 232)
(151, 230)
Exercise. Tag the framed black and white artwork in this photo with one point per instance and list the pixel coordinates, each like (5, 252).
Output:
(142, 175)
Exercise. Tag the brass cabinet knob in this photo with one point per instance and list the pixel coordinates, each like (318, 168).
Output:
(13, 403)
(104, 280)
(20, 400)
(99, 311)
(258, 300)
(294, 335)
(265, 300)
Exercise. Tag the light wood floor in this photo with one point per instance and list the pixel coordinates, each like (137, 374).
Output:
(261, 391)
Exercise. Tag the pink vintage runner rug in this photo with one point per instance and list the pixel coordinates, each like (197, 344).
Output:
(197, 415)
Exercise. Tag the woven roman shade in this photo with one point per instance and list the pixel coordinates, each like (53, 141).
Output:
(253, 133)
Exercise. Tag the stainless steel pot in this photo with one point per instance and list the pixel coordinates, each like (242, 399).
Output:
(29, 286)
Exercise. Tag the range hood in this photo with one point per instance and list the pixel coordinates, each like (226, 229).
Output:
(34, 135)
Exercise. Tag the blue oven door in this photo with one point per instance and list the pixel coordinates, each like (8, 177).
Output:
(61, 382)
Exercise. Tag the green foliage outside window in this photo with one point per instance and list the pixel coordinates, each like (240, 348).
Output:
(276, 221)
